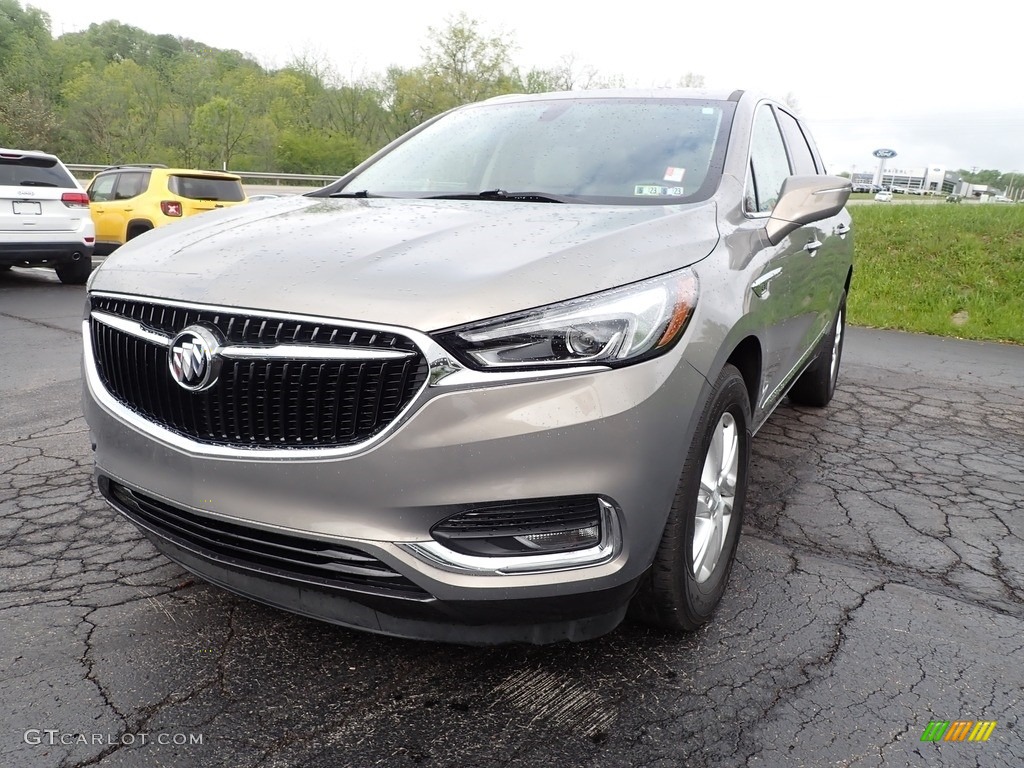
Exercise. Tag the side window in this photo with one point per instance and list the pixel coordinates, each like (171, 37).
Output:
(769, 166)
(799, 151)
(102, 188)
(131, 185)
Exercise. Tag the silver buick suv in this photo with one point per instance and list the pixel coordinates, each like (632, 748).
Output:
(496, 384)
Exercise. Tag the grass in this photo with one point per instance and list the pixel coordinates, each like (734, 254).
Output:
(948, 270)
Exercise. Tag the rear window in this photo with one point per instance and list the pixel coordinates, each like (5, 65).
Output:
(33, 172)
(206, 188)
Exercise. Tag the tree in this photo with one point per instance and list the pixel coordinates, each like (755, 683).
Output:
(114, 113)
(26, 120)
(302, 152)
(27, 110)
(567, 75)
(226, 126)
(460, 66)
(470, 66)
(22, 32)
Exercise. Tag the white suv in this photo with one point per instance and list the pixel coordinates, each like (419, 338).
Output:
(44, 216)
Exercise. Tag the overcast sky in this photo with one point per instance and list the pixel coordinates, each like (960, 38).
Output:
(939, 83)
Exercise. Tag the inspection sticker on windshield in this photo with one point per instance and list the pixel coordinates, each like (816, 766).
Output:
(654, 190)
(674, 174)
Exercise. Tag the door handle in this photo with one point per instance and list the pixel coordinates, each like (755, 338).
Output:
(842, 230)
(813, 246)
(762, 286)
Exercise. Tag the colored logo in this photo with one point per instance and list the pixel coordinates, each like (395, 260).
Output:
(884, 154)
(958, 730)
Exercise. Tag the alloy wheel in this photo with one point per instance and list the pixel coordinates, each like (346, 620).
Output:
(716, 497)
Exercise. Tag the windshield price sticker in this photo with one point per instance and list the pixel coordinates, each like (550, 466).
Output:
(653, 190)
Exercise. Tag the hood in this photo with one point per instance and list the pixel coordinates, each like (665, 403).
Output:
(423, 264)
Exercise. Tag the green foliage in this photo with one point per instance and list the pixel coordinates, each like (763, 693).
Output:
(115, 93)
(23, 33)
(26, 119)
(116, 111)
(302, 152)
(27, 113)
(993, 178)
(950, 270)
(460, 66)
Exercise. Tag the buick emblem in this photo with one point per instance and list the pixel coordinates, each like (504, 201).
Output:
(194, 358)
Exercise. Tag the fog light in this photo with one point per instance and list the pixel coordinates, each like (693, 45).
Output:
(527, 527)
(535, 536)
(561, 541)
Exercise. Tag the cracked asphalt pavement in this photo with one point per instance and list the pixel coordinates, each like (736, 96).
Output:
(879, 586)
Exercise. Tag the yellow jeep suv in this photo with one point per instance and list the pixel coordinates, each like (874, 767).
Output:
(127, 200)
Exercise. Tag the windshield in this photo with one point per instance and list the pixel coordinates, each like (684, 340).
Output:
(617, 150)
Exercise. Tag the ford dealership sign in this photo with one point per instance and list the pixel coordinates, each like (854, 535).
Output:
(884, 154)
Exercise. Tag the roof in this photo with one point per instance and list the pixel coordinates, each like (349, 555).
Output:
(625, 93)
(15, 153)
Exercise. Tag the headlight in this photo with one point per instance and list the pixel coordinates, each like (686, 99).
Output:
(615, 327)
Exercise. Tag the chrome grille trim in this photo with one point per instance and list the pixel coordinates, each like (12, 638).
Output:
(131, 327)
(279, 400)
(291, 352)
(278, 352)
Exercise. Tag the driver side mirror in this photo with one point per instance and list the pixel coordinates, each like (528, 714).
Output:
(804, 199)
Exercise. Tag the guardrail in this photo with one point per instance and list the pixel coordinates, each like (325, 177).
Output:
(293, 178)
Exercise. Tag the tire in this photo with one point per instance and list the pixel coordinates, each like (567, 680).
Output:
(75, 272)
(691, 567)
(817, 384)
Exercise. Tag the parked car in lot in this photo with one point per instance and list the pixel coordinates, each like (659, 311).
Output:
(44, 216)
(127, 200)
(885, 196)
(498, 383)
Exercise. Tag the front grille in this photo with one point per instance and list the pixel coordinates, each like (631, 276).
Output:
(258, 403)
(285, 556)
(522, 517)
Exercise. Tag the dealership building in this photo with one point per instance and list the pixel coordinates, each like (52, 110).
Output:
(931, 178)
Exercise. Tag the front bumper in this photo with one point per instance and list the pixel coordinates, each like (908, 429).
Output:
(618, 434)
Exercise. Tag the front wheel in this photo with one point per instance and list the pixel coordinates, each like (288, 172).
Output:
(688, 576)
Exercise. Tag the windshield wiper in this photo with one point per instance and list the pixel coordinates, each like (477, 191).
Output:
(361, 193)
(501, 194)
